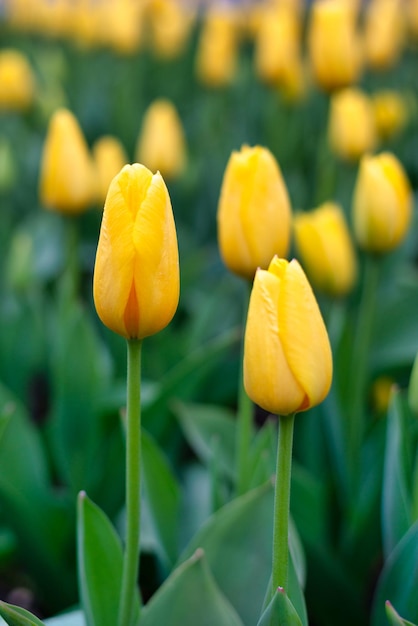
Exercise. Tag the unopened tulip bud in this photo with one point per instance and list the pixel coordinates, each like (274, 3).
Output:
(216, 56)
(17, 83)
(384, 33)
(287, 354)
(391, 113)
(254, 213)
(326, 251)
(109, 158)
(351, 126)
(382, 204)
(136, 274)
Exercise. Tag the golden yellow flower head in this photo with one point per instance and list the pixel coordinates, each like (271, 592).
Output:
(67, 179)
(136, 274)
(326, 250)
(17, 82)
(109, 157)
(384, 33)
(351, 125)
(169, 23)
(254, 213)
(391, 113)
(382, 203)
(216, 55)
(287, 355)
(161, 144)
(334, 44)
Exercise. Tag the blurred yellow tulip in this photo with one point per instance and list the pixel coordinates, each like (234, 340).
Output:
(412, 17)
(382, 203)
(67, 179)
(169, 26)
(381, 392)
(287, 355)
(216, 55)
(109, 158)
(17, 82)
(334, 44)
(121, 25)
(136, 274)
(384, 33)
(254, 213)
(391, 113)
(351, 125)
(325, 248)
(161, 143)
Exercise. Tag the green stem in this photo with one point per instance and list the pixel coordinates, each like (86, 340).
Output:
(133, 485)
(360, 364)
(244, 432)
(282, 503)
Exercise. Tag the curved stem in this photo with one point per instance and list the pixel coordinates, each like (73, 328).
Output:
(133, 485)
(282, 502)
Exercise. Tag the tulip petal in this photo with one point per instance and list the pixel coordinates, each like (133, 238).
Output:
(268, 379)
(303, 335)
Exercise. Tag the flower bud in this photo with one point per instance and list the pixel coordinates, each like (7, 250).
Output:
(67, 182)
(17, 83)
(254, 212)
(109, 158)
(391, 113)
(382, 204)
(384, 33)
(351, 126)
(170, 24)
(327, 253)
(287, 355)
(334, 45)
(216, 56)
(161, 143)
(136, 274)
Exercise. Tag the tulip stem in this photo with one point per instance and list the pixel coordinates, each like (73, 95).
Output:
(282, 503)
(133, 485)
(244, 424)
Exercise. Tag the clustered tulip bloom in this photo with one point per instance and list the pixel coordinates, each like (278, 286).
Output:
(382, 203)
(17, 82)
(351, 125)
(326, 250)
(254, 213)
(67, 179)
(287, 355)
(136, 274)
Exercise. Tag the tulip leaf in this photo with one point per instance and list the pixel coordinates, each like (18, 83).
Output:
(398, 581)
(188, 597)
(394, 618)
(100, 562)
(163, 495)
(237, 541)
(280, 611)
(396, 501)
(16, 616)
(209, 430)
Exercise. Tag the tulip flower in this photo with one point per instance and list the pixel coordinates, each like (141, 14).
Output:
(67, 181)
(136, 274)
(391, 113)
(216, 56)
(17, 83)
(334, 45)
(382, 203)
(325, 248)
(384, 33)
(287, 355)
(351, 126)
(254, 212)
(161, 143)
(109, 157)
(169, 27)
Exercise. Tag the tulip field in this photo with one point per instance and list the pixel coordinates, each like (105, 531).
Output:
(209, 312)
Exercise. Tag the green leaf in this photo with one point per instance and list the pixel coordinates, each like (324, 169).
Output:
(203, 426)
(163, 495)
(398, 581)
(280, 611)
(237, 541)
(189, 597)
(396, 501)
(394, 618)
(100, 563)
(16, 616)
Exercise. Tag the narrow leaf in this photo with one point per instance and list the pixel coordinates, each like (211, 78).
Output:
(16, 616)
(394, 618)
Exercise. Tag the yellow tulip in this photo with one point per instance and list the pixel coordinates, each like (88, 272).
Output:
(287, 355)
(382, 203)
(384, 33)
(67, 179)
(216, 56)
(169, 27)
(254, 212)
(334, 45)
(412, 17)
(381, 391)
(109, 157)
(351, 126)
(17, 82)
(121, 25)
(161, 143)
(391, 113)
(136, 274)
(326, 250)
